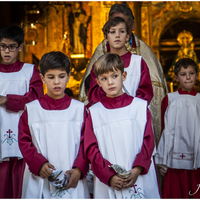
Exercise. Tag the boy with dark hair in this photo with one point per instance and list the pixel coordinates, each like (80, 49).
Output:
(20, 83)
(119, 131)
(179, 146)
(50, 136)
(138, 82)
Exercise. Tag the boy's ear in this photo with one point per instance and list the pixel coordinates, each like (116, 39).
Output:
(42, 77)
(124, 74)
(98, 82)
(133, 27)
(197, 75)
(68, 76)
(176, 78)
(105, 38)
(127, 38)
(21, 47)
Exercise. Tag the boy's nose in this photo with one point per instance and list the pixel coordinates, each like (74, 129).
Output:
(7, 49)
(56, 80)
(110, 81)
(117, 33)
(188, 76)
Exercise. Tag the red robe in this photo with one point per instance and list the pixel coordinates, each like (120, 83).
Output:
(179, 182)
(144, 91)
(11, 172)
(92, 152)
(34, 159)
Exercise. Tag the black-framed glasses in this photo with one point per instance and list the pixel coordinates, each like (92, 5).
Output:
(11, 47)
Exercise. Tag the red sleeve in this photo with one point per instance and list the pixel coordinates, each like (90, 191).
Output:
(143, 158)
(164, 105)
(81, 162)
(33, 159)
(95, 93)
(145, 89)
(98, 163)
(17, 102)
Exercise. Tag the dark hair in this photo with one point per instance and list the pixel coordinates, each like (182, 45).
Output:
(54, 60)
(122, 8)
(87, 82)
(185, 62)
(108, 62)
(12, 32)
(112, 23)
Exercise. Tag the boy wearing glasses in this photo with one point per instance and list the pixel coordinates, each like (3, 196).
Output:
(20, 83)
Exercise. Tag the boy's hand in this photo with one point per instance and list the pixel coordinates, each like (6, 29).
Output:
(135, 172)
(116, 182)
(45, 170)
(3, 100)
(163, 169)
(75, 175)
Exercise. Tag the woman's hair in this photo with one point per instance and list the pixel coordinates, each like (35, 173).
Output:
(108, 62)
(112, 23)
(54, 60)
(185, 62)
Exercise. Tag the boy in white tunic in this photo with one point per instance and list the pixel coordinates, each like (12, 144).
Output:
(119, 131)
(50, 135)
(179, 147)
(20, 83)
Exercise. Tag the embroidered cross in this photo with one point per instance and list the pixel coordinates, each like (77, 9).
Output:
(9, 132)
(182, 155)
(134, 188)
(10, 138)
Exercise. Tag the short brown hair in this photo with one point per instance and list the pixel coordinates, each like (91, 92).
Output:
(112, 23)
(108, 62)
(54, 60)
(185, 62)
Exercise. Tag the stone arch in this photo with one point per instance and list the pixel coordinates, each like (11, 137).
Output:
(169, 19)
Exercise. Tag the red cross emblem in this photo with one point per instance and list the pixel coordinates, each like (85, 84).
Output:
(9, 132)
(182, 155)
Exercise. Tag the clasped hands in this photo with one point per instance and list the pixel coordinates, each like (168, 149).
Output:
(118, 183)
(75, 174)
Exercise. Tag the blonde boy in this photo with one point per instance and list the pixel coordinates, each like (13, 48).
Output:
(118, 131)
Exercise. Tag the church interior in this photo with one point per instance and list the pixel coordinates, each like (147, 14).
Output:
(170, 28)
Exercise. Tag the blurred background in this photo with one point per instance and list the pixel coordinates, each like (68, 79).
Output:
(170, 28)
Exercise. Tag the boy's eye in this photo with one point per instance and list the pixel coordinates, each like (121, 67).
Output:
(62, 76)
(103, 79)
(50, 77)
(3, 46)
(12, 46)
(122, 31)
(112, 32)
(115, 76)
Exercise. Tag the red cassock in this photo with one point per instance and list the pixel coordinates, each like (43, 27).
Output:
(11, 172)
